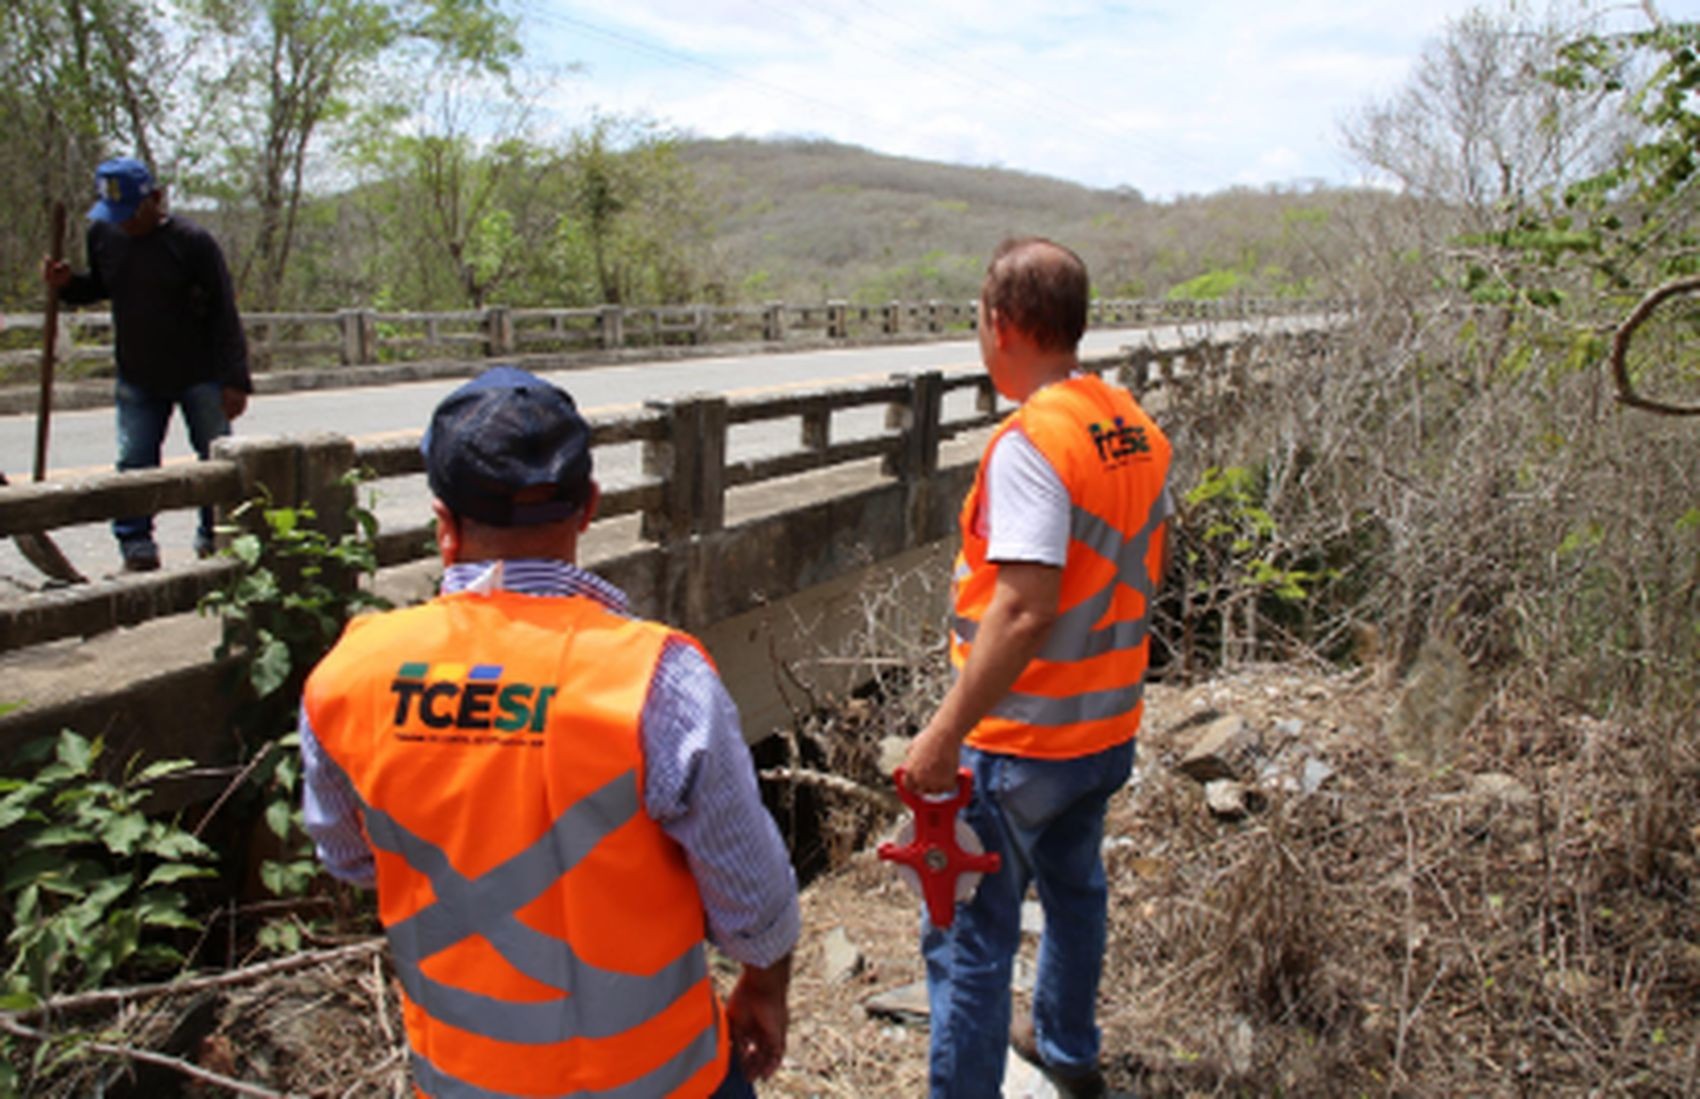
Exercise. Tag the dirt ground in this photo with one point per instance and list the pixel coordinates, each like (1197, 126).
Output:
(1505, 913)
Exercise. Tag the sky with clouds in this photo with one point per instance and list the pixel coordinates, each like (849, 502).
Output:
(1168, 96)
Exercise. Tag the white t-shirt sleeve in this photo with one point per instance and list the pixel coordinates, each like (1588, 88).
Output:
(1027, 508)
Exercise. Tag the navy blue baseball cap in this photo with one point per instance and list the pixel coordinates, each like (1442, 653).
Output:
(509, 449)
(120, 186)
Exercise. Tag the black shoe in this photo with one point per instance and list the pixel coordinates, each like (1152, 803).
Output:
(1073, 1085)
(141, 561)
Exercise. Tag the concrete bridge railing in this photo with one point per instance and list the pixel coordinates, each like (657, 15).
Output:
(686, 550)
(761, 563)
(360, 337)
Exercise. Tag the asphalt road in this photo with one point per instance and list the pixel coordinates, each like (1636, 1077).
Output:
(81, 443)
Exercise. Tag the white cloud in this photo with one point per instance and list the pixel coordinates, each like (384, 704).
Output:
(1170, 96)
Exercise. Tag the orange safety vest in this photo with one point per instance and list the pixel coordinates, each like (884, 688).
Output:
(1084, 691)
(547, 934)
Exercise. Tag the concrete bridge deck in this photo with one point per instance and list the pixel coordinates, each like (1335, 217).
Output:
(165, 664)
(766, 564)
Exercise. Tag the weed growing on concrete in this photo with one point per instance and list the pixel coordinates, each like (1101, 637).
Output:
(298, 587)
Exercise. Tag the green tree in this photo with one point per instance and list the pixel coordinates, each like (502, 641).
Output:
(1478, 141)
(1634, 227)
(279, 74)
(469, 192)
(1639, 217)
(637, 212)
(78, 88)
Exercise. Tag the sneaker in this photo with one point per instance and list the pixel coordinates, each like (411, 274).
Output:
(142, 562)
(140, 556)
(1088, 1084)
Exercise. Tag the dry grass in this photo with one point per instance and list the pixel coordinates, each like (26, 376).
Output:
(1419, 929)
(1410, 928)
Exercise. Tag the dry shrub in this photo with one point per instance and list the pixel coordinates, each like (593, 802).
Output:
(1459, 473)
(854, 704)
(1277, 930)
(1518, 920)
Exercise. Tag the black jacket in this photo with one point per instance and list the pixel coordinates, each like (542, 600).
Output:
(173, 306)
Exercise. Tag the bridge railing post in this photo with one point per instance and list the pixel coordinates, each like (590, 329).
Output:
(293, 472)
(816, 432)
(611, 327)
(691, 460)
(359, 330)
(919, 423)
(1136, 371)
(837, 320)
(498, 331)
(773, 322)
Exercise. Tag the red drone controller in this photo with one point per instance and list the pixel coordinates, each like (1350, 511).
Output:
(941, 851)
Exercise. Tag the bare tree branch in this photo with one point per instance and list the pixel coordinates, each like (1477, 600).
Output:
(11, 1026)
(1624, 335)
(114, 997)
(880, 799)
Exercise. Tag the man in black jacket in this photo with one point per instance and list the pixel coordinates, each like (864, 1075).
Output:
(179, 341)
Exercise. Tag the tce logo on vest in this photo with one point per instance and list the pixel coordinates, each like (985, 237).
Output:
(1118, 441)
(455, 696)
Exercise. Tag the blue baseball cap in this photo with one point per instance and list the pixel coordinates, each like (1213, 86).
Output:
(120, 186)
(509, 449)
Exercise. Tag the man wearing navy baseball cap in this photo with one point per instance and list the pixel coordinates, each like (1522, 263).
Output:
(552, 797)
(179, 341)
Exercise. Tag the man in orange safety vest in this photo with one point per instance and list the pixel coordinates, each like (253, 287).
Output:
(552, 797)
(1063, 544)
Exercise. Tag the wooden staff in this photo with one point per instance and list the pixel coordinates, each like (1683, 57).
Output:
(40, 550)
(50, 336)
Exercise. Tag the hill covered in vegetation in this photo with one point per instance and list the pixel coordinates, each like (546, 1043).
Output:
(799, 218)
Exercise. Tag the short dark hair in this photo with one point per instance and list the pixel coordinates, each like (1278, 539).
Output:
(1040, 287)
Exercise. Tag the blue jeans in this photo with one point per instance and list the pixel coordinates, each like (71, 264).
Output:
(1046, 818)
(142, 419)
(735, 1085)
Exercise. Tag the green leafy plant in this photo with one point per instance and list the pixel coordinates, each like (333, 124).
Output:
(89, 879)
(298, 587)
(1241, 532)
(294, 871)
(1210, 286)
(1242, 580)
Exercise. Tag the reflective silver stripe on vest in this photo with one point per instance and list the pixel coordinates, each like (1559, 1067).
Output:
(1072, 636)
(661, 1080)
(1089, 706)
(599, 1002)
